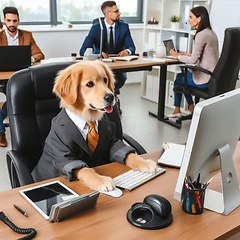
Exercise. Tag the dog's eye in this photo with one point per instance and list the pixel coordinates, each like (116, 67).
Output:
(105, 80)
(90, 84)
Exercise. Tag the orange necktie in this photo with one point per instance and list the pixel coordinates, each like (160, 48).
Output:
(92, 136)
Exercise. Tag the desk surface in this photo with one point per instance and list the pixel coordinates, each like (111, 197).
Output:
(141, 62)
(108, 219)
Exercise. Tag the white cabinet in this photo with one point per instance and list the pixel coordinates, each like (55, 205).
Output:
(157, 27)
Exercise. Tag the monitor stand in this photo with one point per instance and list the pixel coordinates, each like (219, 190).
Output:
(226, 201)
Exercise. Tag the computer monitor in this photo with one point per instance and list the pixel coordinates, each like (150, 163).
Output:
(212, 138)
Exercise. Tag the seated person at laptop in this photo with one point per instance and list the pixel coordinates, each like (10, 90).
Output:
(14, 36)
(124, 44)
(205, 54)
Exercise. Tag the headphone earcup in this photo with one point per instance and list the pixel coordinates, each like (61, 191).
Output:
(140, 213)
(159, 204)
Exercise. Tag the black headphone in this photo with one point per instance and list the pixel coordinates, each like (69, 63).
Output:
(153, 213)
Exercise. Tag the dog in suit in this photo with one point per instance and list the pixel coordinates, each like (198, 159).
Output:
(86, 92)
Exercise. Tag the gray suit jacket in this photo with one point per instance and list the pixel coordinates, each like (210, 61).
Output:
(65, 149)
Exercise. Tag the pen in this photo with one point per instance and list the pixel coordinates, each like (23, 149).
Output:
(20, 210)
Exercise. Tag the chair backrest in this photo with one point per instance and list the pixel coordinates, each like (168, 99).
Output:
(31, 106)
(226, 71)
(96, 20)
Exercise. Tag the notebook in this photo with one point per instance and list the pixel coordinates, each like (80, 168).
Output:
(126, 58)
(14, 58)
(172, 154)
(169, 45)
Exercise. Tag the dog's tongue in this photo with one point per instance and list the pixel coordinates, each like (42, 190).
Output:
(108, 109)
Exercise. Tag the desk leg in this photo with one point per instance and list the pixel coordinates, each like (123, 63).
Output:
(161, 99)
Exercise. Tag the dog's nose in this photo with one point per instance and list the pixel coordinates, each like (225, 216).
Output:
(109, 97)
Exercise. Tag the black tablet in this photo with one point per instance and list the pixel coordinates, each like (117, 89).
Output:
(43, 197)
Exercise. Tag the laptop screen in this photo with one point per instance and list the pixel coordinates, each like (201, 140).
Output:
(14, 58)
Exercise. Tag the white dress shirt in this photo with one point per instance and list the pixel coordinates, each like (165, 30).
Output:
(80, 123)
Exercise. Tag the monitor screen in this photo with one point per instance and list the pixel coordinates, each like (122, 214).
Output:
(213, 135)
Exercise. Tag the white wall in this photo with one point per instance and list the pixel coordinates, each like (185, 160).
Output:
(224, 14)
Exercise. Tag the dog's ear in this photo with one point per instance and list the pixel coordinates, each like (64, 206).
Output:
(110, 76)
(66, 87)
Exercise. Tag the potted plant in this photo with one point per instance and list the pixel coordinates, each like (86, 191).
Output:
(175, 21)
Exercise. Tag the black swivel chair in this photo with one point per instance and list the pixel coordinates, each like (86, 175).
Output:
(224, 76)
(31, 106)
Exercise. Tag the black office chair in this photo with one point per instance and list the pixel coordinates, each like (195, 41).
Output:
(96, 20)
(224, 76)
(31, 106)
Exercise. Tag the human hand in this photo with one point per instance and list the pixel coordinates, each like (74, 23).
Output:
(104, 55)
(174, 53)
(123, 53)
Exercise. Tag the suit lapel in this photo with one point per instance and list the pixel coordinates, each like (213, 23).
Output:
(103, 134)
(3, 39)
(104, 42)
(71, 131)
(20, 37)
(117, 32)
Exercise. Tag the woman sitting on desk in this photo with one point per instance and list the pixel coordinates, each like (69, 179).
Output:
(205, 54)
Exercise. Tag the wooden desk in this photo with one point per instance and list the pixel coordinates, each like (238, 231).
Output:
(108, 221)
(5, 75)
(141, 64)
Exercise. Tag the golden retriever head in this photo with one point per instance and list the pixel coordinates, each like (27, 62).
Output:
(87, 89)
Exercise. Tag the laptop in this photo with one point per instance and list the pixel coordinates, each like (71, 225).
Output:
(169, 45)
(14, 58)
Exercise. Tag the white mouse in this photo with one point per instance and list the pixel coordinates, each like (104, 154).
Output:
(114, 193)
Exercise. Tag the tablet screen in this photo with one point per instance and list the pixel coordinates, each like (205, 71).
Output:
(42, 197)
(168, 45)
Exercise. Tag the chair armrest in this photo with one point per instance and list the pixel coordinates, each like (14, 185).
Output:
(194, 67)
(184, 69)
(133, 143)
(19, 172)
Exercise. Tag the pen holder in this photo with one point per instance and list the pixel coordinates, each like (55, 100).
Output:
(193, 200)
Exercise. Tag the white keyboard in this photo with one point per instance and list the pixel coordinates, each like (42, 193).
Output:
(132, 179)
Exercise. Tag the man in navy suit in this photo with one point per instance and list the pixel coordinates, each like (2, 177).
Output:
(123, 42)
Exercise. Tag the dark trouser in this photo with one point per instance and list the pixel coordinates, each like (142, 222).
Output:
(180, 81)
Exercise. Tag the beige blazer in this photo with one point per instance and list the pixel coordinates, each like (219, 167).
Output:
(25, 38)
(205, 54)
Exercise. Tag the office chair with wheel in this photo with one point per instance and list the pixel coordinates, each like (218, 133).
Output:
(31, 106)
(224, 76)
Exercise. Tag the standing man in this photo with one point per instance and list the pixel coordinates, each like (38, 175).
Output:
(14, 36)
(122, 45)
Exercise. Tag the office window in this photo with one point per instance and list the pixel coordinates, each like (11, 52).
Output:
(53, 12)
(30, 12)
(86, 10)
